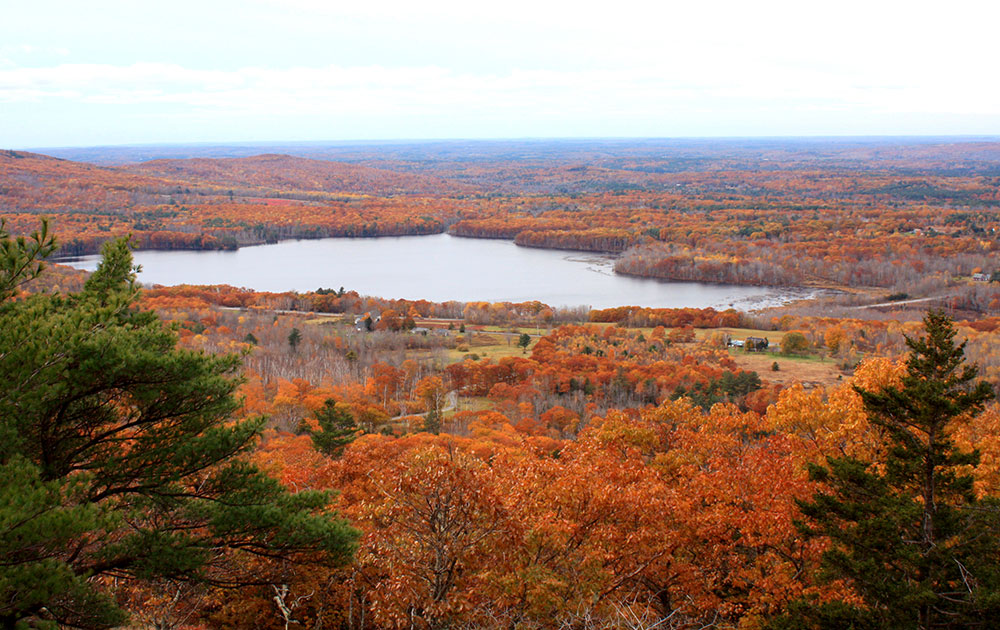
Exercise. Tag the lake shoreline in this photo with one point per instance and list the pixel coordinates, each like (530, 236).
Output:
(442, 268)
(597, 252)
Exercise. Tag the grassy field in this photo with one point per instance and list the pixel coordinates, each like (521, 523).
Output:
(515, 330)
(809, 370)
(471, 403)
(489, 346)
(333, 318)
(740, 333)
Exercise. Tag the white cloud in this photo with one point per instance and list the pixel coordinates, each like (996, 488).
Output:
(27, 50)
(520, 67)
(335, 89)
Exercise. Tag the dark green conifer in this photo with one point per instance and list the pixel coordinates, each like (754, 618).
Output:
(524, 341)
(294, 339)
(432, 421)
(21, 258)
(908, 533)
(119, 455)
(337, 428)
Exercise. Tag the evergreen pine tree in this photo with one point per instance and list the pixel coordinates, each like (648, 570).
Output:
(907, 532)
(119, 455)
(21, 258)
(432, 421)
(337, 428)
(524, 341)
(294, 338)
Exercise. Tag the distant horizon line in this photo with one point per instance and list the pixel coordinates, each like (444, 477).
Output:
(404, 141)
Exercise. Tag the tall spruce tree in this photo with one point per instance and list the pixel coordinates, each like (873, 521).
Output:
(294, 339)
(337, 428)
(119, 455)
(907, 531)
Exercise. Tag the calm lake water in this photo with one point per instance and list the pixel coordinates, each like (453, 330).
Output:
(438, 268)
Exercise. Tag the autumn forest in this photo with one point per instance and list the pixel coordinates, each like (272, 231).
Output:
(215, 457)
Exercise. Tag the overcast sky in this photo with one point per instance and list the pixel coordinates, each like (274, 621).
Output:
(118, 72)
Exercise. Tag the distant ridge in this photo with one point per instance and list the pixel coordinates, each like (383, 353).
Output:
(27, 155)
(285, 172)
(34, 182)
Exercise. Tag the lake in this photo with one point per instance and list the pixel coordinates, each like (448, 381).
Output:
(438, 268)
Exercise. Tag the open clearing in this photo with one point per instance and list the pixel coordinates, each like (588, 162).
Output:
(808, 371)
